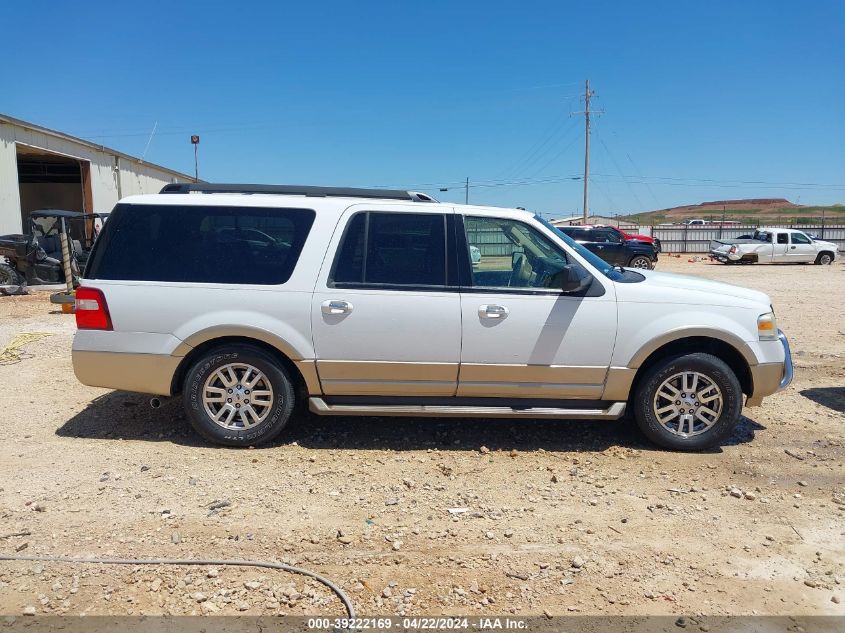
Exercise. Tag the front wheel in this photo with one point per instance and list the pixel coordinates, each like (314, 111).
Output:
(690, 403)
(238, 395)
(641, 261)
(824, 259)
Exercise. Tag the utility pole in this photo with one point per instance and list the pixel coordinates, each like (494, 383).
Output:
(588, 94)
(466, 192)
(586, 149)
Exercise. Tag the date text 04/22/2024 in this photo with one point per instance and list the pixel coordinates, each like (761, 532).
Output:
(434, 623)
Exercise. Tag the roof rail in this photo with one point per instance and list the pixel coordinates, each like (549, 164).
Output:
(297, 190)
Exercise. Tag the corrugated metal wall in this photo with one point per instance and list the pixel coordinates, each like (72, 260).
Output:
(696, 239)
(107, 183)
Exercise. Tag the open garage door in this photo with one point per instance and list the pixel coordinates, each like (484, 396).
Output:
(48, 180)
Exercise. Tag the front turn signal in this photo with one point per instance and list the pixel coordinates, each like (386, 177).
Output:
(767, 327)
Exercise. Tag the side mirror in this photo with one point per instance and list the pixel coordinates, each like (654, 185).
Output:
(571, 279)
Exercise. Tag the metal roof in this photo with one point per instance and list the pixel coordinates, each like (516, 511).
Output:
(5, 118)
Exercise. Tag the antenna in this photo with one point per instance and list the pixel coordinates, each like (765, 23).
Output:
(149, 140)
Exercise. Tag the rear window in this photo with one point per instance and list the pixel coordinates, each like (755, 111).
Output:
(577, 234)
(232, 245)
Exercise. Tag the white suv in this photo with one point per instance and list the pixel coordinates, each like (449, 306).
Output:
(247, 299)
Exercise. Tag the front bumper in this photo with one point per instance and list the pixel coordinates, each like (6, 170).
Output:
(769, 378)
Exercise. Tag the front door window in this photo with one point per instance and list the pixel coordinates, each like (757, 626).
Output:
(510, 254)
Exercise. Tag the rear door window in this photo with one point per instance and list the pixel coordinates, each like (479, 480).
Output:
(199, 244)
(382, 249)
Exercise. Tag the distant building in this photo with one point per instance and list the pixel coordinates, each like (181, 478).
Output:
(42, 168)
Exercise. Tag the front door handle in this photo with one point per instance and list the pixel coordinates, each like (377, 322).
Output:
(792, 247)
(492, 311)
(336, 306)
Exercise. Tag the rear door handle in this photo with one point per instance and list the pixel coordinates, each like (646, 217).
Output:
(492, 311)
(336, 306)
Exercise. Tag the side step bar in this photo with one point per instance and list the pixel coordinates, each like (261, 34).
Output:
(320, 407)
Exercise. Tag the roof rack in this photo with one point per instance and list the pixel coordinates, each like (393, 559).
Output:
(298, 190)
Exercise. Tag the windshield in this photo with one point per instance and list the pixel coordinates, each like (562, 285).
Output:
(597, 262)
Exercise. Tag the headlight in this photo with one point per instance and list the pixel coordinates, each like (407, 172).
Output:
(767, 327)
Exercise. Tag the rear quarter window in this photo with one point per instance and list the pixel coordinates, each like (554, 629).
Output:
(232, 245)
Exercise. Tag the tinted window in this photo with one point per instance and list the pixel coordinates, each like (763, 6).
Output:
(582, 235)
(783, 238)
(234, 245)
(397, 249)
(349, 265)
(800, 238)
(605, 235)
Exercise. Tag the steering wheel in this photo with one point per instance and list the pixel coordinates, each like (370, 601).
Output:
(521, 275)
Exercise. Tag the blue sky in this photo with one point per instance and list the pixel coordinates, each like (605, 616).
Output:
(700, 99)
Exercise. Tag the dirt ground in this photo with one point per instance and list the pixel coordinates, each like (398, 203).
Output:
(581, 517)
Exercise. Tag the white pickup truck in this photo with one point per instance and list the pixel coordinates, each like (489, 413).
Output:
(773, 246)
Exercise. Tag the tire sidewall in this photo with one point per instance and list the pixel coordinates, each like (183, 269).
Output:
(7, 270)
(822, 261)
(640, 257)
(283, 397)
(712, 367)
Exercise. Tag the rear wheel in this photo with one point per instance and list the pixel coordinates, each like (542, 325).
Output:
(824, 259)
(640, 261)
(9, 276)
(689, 403)
(238, 395)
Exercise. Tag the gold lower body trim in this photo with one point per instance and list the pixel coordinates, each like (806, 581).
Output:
(531, 381)
(367, 378)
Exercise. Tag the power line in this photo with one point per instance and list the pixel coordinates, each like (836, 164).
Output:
(670, 181)
(615, 164)
(539, 148)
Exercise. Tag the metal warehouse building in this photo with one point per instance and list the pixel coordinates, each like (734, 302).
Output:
(41, 168)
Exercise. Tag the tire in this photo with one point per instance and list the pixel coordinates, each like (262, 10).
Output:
(715, 424)
(824, 258)
(210, 380)
(642, 262)
(9, 276)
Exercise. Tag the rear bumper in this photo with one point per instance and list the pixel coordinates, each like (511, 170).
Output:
(144, 373)
(769, 378)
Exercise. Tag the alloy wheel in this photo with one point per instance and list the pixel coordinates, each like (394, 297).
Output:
(688, 403)
(237, 396)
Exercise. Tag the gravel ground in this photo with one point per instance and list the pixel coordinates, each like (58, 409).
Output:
(581, 517)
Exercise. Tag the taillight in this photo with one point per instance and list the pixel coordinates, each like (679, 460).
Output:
(92, 311)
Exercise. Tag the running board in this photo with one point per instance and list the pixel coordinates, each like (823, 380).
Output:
(320, 407)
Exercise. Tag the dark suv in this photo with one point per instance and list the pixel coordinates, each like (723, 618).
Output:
(608, 244)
